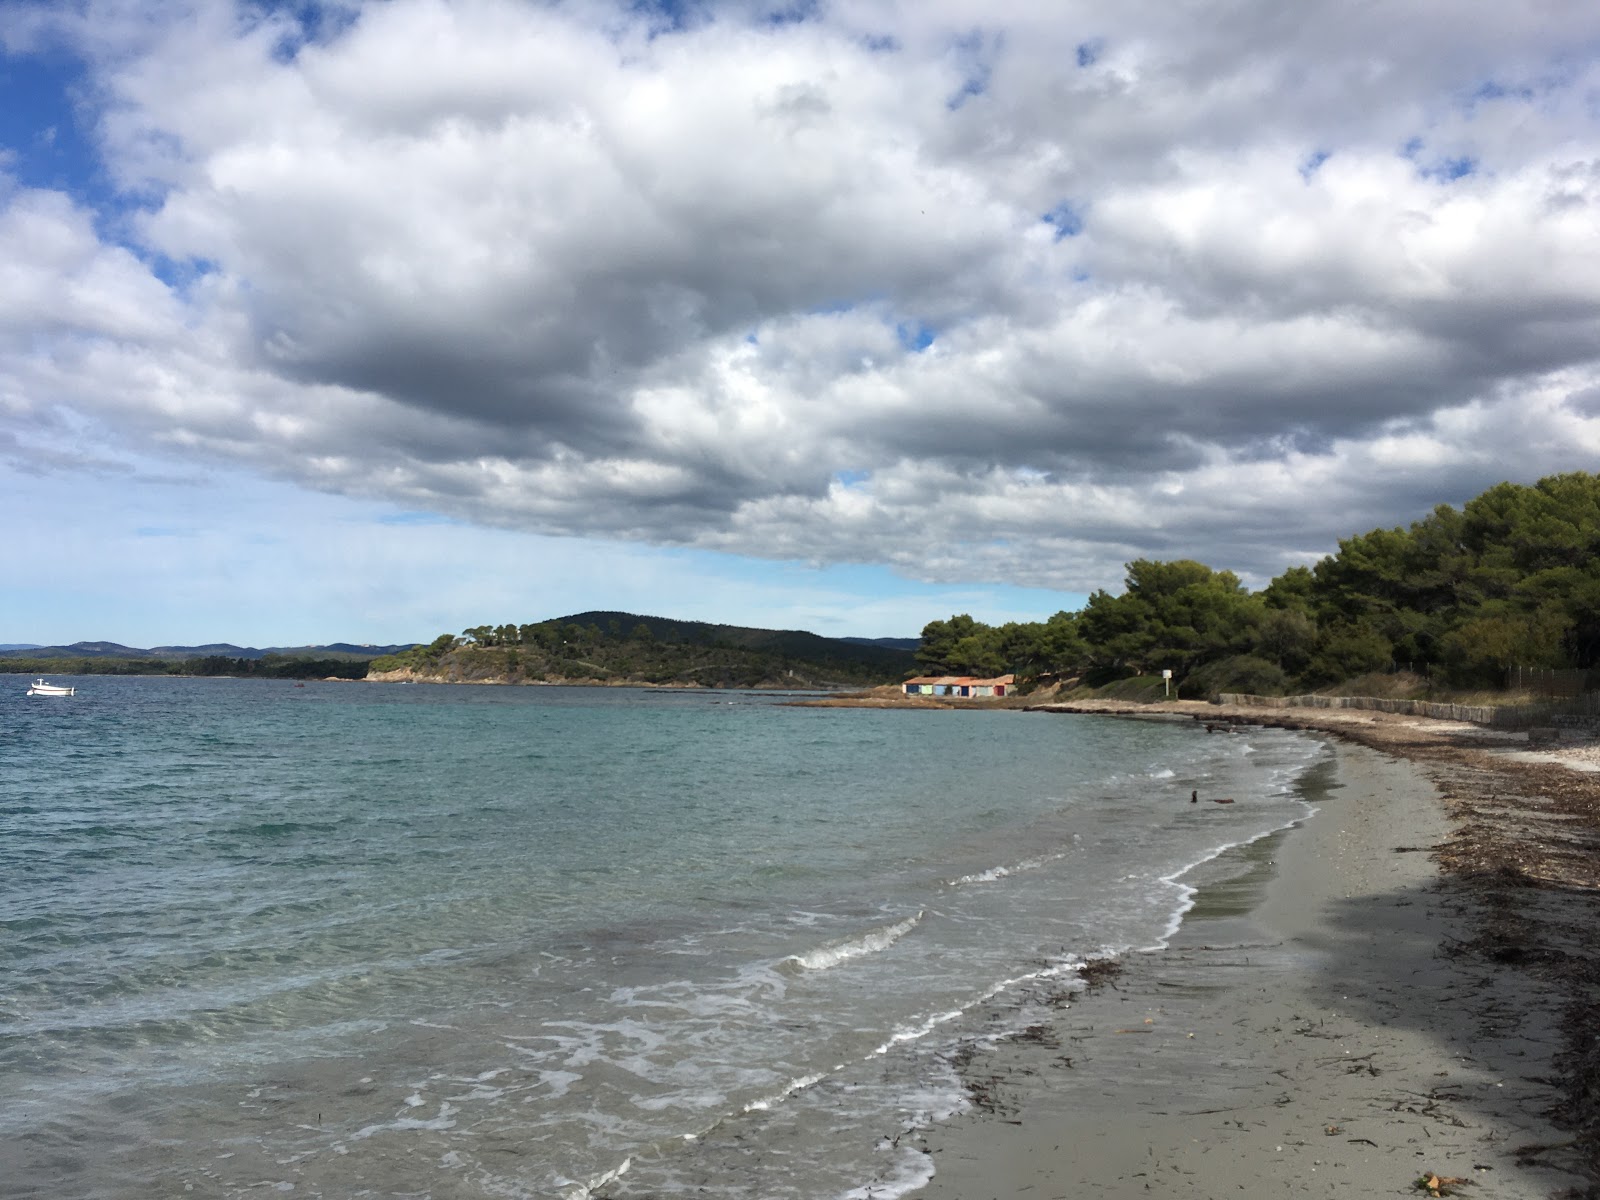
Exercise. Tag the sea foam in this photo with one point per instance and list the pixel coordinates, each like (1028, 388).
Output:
(874, 941)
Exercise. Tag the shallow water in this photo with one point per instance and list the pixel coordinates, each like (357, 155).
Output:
(430, 941)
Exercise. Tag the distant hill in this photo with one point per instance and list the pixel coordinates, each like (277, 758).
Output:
(623, 648)
(17, 646)
(587, 647)
(115, 650)
(910, 644)
(794, 643)
(225, 649)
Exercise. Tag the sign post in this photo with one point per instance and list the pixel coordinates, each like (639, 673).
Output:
(1166, 682)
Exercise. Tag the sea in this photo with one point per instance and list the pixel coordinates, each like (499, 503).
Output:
(342, 940)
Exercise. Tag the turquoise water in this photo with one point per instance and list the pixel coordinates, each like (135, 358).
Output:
(416, 940)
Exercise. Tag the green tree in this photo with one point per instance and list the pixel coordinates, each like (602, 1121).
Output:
(1173, 615)
(1286, 637)
(939, 639)
(1348, 651)
(977, 654)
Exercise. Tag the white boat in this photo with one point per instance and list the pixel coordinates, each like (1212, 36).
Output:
(40, 688)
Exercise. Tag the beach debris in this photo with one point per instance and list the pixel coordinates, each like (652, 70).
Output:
(1527, 1153)
(1229, 800)
(1098, 972)
(1439, 1185)
(1353, 1066)
(1330, 1130)
(1040, 1035)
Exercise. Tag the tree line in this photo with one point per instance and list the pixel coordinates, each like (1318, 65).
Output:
(1510, 579)
(270, 666)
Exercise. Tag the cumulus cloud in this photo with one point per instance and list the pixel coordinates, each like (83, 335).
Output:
(1004, 291)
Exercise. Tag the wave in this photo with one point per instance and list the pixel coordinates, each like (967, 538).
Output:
(834, 953)
(910, 1171)
(793, 1086)
(1187, 892)
(994, 874)
(445, 1120)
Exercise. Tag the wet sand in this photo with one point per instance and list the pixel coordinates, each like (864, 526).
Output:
(1400, 988)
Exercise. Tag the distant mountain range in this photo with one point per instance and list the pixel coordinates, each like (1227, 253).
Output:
(213, 650)
(879, 652)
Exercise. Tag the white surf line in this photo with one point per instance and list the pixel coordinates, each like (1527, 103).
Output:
(585, 1191)
(1189, 891)
(871, 942)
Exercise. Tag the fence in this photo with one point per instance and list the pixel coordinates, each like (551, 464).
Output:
(1580, 710)
(1564, 683)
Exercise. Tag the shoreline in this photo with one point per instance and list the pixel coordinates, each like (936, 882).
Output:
(1335, 1012)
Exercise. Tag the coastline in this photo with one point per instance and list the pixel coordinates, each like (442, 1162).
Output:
(1389, 991)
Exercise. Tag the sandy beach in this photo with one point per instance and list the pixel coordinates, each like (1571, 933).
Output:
(1400, 990)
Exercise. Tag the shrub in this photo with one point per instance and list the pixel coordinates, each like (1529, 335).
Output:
(1247, 673)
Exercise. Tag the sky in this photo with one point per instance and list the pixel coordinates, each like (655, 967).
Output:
(369, 320)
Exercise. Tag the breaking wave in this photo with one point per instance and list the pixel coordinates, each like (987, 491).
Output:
(834, 953)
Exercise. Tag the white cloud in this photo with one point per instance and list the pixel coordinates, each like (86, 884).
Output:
(1051, 286)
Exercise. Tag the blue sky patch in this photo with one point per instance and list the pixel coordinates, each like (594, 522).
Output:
(179, 276)
(1490, 90)
(1313, 163)
(796, 13)
(914, 336)
(315, 23)
(1448, 170)
(671, 16)
(1066, 218)
(971, 55)
(46, 127)
(1089, 52)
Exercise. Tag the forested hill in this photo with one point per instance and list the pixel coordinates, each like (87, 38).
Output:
(343, 660)
(117, 651)
(788, 643)
(1461, 598)
(622, 648)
